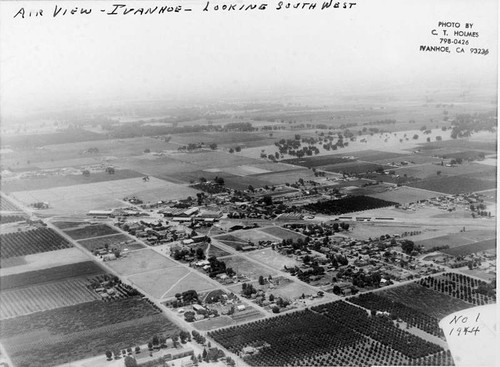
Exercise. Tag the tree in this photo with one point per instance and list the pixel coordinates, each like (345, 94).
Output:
(137, 350)
(130, 362)
(407, 246)
(109, 355)
(271, 298)
(276, 309)
(231, 150)
(261, 280)
(199, 253)
(150, 346)
(213, 146)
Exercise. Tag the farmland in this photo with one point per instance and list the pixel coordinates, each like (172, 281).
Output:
(81, 331)
(405, 195)
(79, 199)
(56, 273)
(29, 242)
(89, 231)
(430, 302)
(347, 205)
(4, 219)
(471, 248)
(454, 185)
(40, 182)
(26, 300)
(43, 260)
(457, 239)
(7, 205)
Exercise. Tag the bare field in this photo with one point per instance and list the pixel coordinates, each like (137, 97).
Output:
(254, 235)
(158, 282)
(49, 182)
(471, 248)
(283, 233)
(141, 261)
(273, 259)
(248, 268)
(405, 195)
(43, 261)
(79, 199)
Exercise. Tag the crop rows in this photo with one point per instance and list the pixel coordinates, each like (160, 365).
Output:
(11, 218)
(23, 301)
(347, 205)
(31, 242)
(411, 316)
(287, 339)
(7, 205)
(380, 329)
(460, 286)
(81, 331)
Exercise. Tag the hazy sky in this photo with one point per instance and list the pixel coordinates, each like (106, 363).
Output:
(375, 44)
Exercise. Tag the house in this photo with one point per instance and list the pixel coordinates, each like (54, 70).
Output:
(199, 308)
(241, 307)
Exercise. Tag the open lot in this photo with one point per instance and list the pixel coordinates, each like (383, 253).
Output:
(140, 261)
(406, 195)
(119, 241)
(253, 235)
(429, 170)
(292, 290)
(273, 259)
(215, 323)
(79, 199)
(283, 234)
(284, 177)
(42, 260)
(430, 302)
(248, 268)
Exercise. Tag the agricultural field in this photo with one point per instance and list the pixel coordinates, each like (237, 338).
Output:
(460, 287)
(43, 260)
(7, 205)
(76, 332)
(79, 199)
(430, 302)
(457, 239)
(248, 268)
(352, 167)
(429, 171)
(43, 297)
(405, 195)
(471, 248)
(140, 261)
(283, 234)
(166, 283)
(290, 176)
(90, 231)
(347, 205)
(49, 182)
(4, 219)
(53, 274)
(314, 162)
(454, 184)
(29, 242)
(118, 241)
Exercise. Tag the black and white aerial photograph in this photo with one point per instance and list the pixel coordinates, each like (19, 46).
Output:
(248, 183)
